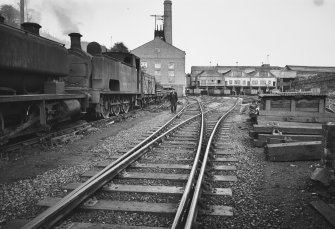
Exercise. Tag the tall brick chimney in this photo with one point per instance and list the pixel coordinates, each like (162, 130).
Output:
(168, 21)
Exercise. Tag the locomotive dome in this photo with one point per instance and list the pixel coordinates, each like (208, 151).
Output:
(94, 48)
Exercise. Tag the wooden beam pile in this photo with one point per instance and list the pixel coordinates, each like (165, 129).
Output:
(289, 141)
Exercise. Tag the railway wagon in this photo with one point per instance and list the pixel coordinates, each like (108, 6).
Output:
(148, 85)
(32, 94)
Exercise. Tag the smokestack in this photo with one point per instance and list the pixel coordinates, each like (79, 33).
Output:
(2, 19)
(31, 27)
(168, 21)
(75, 40)
(22, 11)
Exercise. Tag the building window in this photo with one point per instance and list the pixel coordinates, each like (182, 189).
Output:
(171, 65)
(254, 82)
(219, 81)
(157, 50)
(171, 76)
(144, 65)
(262, 82)
(171, 73)
(157, 72)
(269, 82)
(237, 82)
(244, 82)
(230, 82)
(157, 65)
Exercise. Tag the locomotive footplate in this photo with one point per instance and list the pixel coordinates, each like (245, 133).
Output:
(25, 114)
(22, 98)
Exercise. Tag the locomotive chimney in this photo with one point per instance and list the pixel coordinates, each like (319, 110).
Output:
(167, 26)
(31, 27)
(2, 19)
(75, 40)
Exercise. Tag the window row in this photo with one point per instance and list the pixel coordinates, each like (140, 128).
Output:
(253, 82)
(144, 65)
(158, 73)
(238, 82)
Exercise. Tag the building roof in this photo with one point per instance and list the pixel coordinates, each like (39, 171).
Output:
(159, 41)
(293, 94)
(227, 68)
(310, 68)
(284, 73)
(209, 73)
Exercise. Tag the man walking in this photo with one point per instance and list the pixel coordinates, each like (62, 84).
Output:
(173, 101)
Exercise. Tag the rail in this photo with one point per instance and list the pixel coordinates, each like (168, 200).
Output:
(54, 214)
(197, 190)
(184, 202)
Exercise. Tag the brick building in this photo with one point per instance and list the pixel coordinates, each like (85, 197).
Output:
(161, 59)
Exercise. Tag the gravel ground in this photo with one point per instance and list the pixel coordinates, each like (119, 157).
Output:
(18, 197)
(267, 194)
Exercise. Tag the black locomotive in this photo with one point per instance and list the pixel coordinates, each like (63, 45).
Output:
(43, 83)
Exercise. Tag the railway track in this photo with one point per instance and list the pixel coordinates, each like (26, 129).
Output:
(57, 136)
(164, 181)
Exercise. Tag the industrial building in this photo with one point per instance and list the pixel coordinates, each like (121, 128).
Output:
(161, 59)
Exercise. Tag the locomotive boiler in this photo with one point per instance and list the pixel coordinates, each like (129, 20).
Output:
(42, 83)
(111, 79)
(31, 91)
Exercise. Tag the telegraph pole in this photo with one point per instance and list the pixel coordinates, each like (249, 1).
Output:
(21, 11)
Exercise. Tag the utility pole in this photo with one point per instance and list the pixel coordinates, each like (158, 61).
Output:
(111, 42)
(21, 11)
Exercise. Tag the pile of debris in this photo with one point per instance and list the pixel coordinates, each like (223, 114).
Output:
(295, 127)
(290, 126)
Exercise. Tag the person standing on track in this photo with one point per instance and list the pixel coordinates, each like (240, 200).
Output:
(173, 101)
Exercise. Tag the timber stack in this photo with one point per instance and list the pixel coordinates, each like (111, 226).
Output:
(290, 126)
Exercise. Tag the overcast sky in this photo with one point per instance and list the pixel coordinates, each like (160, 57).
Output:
(291, 32)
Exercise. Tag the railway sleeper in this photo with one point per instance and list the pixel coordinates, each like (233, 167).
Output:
(144, 207)
(163, 189)
(162, 176)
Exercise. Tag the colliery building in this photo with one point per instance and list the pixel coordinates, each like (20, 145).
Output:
(161, 59)
(239, 79)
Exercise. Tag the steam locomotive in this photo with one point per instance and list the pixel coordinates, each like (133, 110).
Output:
(42, 83)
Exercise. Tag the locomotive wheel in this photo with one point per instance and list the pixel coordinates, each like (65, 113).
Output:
(126, 106)
(116, 109)
(104, 108)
